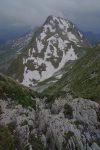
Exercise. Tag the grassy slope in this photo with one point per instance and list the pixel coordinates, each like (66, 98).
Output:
(83, 79)
(20, 94)
(85, 76)
(6, 139)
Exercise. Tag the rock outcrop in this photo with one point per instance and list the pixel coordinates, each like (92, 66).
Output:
(70, 124)
(65, 124)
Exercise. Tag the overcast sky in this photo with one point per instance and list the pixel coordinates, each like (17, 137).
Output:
(84, 13)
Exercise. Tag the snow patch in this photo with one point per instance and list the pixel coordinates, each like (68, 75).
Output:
(43, 35)
(29, 52)
(62, 44)
(29, 76)
(71, 54)
(40, 46)
(59, 76)
(72, 37)
(52, 81)
(80, 34)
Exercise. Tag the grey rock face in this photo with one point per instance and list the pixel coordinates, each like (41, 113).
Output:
(19, 119)
(56, 129)
(79, 132)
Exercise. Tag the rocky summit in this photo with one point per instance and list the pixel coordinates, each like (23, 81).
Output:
(57, 42)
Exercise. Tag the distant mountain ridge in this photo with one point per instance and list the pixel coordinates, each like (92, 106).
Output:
(93, 38)
(10, 32)
(10, 49)
(53, 45)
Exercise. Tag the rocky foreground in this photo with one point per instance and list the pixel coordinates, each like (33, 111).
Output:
(65, 124)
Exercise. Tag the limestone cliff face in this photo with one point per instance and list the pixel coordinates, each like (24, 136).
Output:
(65, 124)
(70, 124)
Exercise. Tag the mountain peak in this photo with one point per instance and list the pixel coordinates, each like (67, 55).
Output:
(54, 19)
(57, 42)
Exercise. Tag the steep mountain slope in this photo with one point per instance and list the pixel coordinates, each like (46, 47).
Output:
(20, 94)
(28, 122)
(11, 49)
(86, 80)
(83, 78)
(54, 44)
